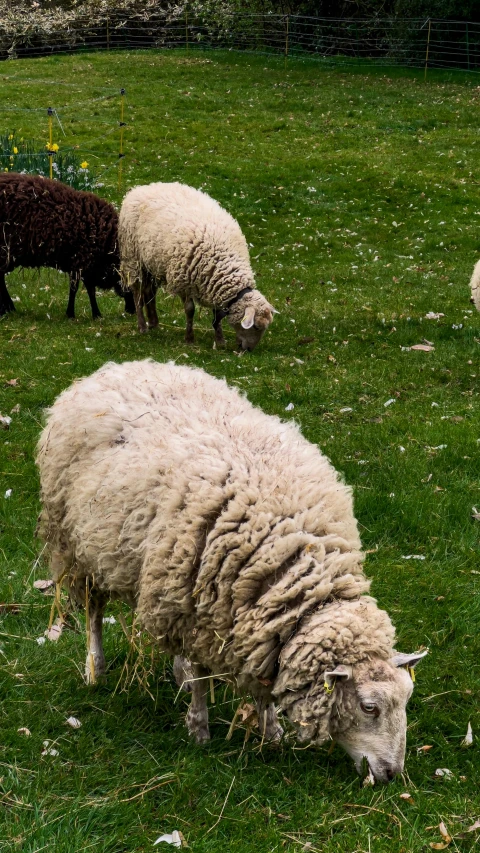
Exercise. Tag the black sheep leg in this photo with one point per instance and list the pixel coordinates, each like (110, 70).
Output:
(90, 288)
(189, 306)
(74, 282)
(6, 303)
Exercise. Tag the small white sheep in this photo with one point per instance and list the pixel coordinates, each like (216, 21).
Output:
(180, 238)
(235, 540)
(475, 286)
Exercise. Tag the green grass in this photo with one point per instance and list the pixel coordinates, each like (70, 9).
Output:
(318, 166)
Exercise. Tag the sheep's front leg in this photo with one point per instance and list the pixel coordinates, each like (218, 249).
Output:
(219, 342)
(268, 724)
(74, 282)
(194, 679)
(95, 664)
(189, 306)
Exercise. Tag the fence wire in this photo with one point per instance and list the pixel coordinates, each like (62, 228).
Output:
(446, 44)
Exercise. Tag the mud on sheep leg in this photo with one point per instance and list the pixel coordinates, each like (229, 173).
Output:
(95, 662)
(194, 679)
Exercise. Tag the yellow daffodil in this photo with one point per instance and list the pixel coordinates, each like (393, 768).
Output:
(53, 147)
(84, 165)
(11, 136)
(15, 149)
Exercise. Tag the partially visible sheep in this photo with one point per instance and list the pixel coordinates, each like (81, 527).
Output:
(180, 238)
(45, 223)
(235, 540)
(475, 286)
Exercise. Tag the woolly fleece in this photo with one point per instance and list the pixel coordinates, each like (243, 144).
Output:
(231, 534)
(189, 245)
(45, 223)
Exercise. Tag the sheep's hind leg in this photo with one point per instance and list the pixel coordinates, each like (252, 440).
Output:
(90, 288)
(189, 306)
(149, 296)
(95, 664)
(268, 724)
(6, 303)
(194, 679)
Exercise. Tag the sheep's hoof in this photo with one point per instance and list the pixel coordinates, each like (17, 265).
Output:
(94, 669)
(197, 729)
(189, 339)
(274, 734)
(143, 330)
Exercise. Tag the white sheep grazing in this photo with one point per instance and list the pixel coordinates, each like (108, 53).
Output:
(180, 238)
(235, 540)
(475, 286)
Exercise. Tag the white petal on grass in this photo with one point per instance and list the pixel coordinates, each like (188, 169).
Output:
(423, 347)
(55, 631)
(433, 315)
(109, 620)
(74, 723)
(174, 838)
(8, 493)
(468, 739)
(414, 557)
(43, 585)
(24, 731)
(41, 641)
(290, 407)
(345, 410)
(389, 402)
(5, 421)
(443, 771)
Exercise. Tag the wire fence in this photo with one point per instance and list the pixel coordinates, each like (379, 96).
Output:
(408, 42)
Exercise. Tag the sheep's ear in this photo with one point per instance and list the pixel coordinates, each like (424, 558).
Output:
(410, 661)
(341, 673)
(248, 318)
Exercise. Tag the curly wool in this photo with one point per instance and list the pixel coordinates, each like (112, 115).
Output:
(45, 223)
(188, 243)
(475, 286)
(231, 534)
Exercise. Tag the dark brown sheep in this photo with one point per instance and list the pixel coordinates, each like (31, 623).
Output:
(45, 223)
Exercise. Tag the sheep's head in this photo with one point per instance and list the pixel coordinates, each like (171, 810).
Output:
(250, 317)
(368, 715)
(361, 701)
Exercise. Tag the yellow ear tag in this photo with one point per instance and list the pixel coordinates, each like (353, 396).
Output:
(329, 690)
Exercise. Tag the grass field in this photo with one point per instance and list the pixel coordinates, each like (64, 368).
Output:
(358, 192)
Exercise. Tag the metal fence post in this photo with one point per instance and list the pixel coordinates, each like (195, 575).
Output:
(122, 124)
(50, 140)
(468, 45)
(286, 42)
(428, 46)
(186, 29)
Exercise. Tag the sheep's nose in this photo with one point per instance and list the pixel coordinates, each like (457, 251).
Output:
(472, 300)
(390, 773)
